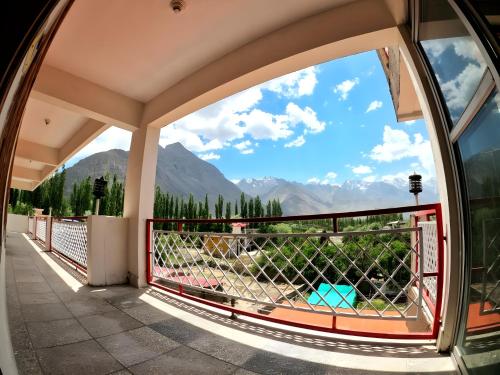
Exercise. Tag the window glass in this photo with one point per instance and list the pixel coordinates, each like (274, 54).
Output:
(480, 152)
(453, 56)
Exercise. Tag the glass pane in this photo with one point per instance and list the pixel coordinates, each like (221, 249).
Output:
(454, 57)
(481, 164)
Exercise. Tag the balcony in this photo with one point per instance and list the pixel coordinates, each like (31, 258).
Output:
(220, 302)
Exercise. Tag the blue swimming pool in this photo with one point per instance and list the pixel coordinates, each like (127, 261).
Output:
(332, 295)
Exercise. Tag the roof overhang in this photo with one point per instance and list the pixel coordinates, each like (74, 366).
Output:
(120, 63)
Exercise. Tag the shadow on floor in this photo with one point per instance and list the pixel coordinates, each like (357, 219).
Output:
(59, 325)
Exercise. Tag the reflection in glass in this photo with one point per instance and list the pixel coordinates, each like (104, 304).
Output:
(480, 152)
(454, 57)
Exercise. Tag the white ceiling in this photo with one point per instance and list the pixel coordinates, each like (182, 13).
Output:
(63, 124)
(140, 48)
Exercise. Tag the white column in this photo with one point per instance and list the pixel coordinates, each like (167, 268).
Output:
(107, 250)
(139, 198)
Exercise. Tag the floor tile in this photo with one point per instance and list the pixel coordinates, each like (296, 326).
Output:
(178, 330)
(39, 287)
(57, 332)
(181, 361)
(223, 349)
(36, 298)
(109, 323)
(137, 346)
(45, 312)
(147, 314)
(27, 363)
(86, 358)
(88, 306)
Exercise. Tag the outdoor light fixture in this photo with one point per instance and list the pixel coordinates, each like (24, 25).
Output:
(99, 191)
(415, 182)
(177, 5)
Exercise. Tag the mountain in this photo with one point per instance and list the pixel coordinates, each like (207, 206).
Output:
(297, 198)
(178, 171)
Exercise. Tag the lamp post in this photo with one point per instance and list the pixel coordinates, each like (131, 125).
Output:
(99, 192)
(415, 182)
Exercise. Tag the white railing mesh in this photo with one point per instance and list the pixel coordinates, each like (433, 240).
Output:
(363, 274)
(41, 229)
(430, 250)
(70, 239)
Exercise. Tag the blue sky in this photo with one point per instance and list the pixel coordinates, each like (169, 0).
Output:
(324, 124)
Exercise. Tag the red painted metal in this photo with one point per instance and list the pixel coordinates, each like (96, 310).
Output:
(412, 336)
(440, 270)
(281, 219)
(69, 260)
(421, 210)
(149, 277)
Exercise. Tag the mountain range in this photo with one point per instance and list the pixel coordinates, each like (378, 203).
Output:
(180, 172)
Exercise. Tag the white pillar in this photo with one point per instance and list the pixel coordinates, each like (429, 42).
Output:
(139, 198)
(107, 250)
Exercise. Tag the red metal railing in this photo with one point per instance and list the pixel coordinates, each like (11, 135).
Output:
(182, 285)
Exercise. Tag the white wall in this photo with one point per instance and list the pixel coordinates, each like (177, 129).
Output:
(17, 223)
(107, 250)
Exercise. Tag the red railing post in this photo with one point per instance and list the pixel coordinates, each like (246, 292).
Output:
(179, 227)
(440, 271)
(149, 277)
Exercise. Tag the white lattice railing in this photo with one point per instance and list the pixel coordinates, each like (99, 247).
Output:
(41, 229)
(430, 250)
(70, 239)
(360, 274)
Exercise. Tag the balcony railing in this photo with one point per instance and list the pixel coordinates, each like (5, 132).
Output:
(311, 280)
(67, 237)
(41, 229)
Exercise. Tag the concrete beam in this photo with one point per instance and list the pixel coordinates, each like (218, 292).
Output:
(22, 184)
(37, 152)
(26, 173)
(76, 94)
(88, 132)
(310, 41)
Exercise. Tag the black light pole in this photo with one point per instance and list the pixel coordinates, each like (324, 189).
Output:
(415, 182)
(99, 191)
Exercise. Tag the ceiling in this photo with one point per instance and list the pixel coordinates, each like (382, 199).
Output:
(131, 63)
(140, 50)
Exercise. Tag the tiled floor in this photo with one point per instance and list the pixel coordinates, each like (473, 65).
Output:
(61, 326)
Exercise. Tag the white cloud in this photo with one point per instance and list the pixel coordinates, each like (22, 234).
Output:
(329, 178)
(371, 178)
(397, 145)
(376, 104)
(345, 87)
(295, 84)
(110, 139)
(459, 90)
(409, 122)
(361, 169)
(264, 125)
(209, 156)
(306, 116)
(299, 141)
(237, 117)
(245, 147)
(235, 180)
(313, 180)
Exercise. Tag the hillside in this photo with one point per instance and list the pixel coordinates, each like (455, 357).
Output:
(178, 171)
